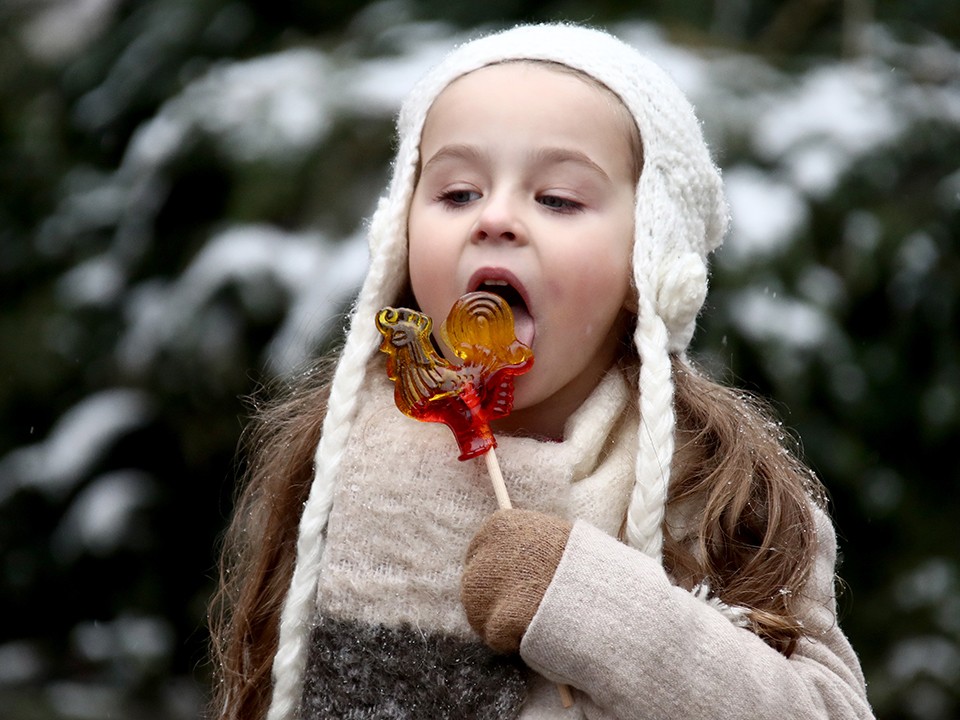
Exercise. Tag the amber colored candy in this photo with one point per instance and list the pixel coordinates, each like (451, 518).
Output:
(466, 397)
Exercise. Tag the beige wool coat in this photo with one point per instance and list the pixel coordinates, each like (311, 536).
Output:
(643, 649)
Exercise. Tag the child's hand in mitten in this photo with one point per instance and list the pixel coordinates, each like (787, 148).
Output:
(509, 565)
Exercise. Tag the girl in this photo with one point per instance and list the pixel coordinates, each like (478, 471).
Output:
(672, 559)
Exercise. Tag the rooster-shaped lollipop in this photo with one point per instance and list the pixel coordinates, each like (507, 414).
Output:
(466, 397)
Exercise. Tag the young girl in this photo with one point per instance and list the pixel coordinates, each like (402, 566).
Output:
(671, 558)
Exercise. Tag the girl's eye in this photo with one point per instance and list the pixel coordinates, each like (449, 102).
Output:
(459, 197)
(555, 202)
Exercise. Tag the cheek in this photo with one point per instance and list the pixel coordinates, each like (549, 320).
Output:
(421, 260)
(599, 278)
(429, 263)
(590, 304)
(421, 276)
(430, 270)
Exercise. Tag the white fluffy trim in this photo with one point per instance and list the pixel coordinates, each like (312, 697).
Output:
(736, 614)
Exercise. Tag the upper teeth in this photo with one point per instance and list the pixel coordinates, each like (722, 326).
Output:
(496, 282)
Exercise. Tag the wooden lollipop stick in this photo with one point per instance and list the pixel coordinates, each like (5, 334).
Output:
(496, 477)
(566, 697)
(503, 501)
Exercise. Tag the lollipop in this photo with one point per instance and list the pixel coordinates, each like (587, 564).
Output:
(465, 397)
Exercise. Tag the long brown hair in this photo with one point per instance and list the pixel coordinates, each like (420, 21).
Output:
(754, 540)
(260, 545)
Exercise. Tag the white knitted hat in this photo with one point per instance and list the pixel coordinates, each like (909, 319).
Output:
(680, 216)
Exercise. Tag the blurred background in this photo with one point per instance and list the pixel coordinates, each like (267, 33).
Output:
(183, 187)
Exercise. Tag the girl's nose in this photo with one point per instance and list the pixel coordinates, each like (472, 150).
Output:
(498, 221)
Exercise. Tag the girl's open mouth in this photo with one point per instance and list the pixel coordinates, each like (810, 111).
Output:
(524, 325)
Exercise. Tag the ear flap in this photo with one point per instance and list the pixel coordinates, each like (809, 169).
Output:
(678, 222)
(681, 290)
(387, 232)
(378, 229)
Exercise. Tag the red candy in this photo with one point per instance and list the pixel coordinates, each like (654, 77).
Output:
(466, 397)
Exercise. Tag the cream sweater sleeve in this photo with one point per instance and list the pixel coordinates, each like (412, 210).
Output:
(637, 647)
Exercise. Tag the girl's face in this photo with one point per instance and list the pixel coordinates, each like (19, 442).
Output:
(527, 189)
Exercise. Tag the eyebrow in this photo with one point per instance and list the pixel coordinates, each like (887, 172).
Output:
(456, 151)
(560, 155)
(544, 156)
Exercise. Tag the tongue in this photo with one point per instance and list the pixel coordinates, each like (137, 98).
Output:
(523, 325)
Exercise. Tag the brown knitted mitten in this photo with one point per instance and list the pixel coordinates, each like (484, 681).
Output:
(509, 565)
